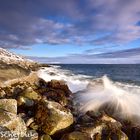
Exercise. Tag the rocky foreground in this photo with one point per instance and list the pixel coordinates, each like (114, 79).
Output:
(32, 109)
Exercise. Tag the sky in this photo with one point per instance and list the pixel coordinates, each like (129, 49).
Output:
(72, 31)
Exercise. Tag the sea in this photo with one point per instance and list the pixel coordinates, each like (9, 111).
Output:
(114, 87)
(118, 72)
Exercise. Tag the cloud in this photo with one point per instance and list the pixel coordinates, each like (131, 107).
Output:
(130, 53)
(130, 56)
(27, 22)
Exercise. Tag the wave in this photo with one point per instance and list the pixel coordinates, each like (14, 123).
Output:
(120, 100)
(75, 82)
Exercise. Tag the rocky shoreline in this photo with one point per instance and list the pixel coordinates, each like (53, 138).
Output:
(33, 109)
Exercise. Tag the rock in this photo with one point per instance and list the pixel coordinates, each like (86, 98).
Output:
(24, 101)
(57, 96)
(8, 90)
(54, 90)
(52, 73)
(12, 122)
(14, 89)
(54, 84)
(45, 137)
(85, 119)
(52, 117)
(3, 135)
(58, 91)
(40, 83)
(97, 136)
(29, 121)
(76, 136)
(100, 126)
(17, 90)
(31, 94)
(9, 105)
(109, 132)
(132, 130)
(34, 126)
(2, 93)
(30, 135)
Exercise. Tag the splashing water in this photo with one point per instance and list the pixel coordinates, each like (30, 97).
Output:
(117, 99)
(74, 82)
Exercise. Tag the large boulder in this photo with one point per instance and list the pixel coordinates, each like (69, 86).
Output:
(14, 89)
(9, 105)
(132, 130)
(12, 122)
(23, 101)
(28, 97)
(54, 90)
(31, 94)
(100, 126)
(52, 117)
(54, 84)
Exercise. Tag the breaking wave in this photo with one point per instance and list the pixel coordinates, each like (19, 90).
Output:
(120, 100)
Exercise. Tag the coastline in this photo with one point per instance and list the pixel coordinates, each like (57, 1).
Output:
(48, 110)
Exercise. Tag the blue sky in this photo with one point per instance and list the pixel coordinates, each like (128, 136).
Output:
(72, 31)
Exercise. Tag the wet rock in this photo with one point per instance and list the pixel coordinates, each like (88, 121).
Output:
(54, 90)
(132, 131)
(12, 122)
(57, 96)
(40, 83)
(45, 137)
(113, 134)
(52, 73)
(52, 117)
(9, 105)
(95, 115)
(100, 125)
(76, 136)
(54, 84)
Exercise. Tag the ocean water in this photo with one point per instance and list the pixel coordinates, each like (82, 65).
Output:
(112, 88)
(123, 73)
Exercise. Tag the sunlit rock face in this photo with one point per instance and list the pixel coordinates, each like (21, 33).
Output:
(14, 66)
(52, 117)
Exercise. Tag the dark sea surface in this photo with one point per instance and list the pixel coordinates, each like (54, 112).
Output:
(129, 73)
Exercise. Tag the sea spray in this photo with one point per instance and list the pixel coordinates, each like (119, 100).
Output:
(120, 100)
(75, 82)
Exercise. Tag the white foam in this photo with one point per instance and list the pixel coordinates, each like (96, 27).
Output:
(74, 82)
(93, 94)
(124, 102)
